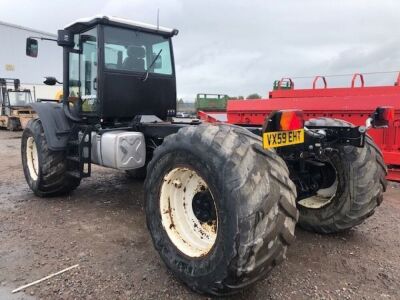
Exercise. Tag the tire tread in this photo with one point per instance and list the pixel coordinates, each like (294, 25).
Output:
(367, 183)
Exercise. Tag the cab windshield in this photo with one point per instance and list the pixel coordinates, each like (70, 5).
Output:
(136, 51)
(19, 98)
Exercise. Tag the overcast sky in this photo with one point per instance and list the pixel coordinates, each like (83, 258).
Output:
(241, 47)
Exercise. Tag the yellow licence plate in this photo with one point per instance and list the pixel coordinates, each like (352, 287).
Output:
(283, 138)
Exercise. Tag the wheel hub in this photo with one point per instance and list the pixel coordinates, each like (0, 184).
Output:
(203, 207)
(327, 189)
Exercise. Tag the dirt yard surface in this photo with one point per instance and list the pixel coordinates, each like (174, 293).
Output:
(101, 227)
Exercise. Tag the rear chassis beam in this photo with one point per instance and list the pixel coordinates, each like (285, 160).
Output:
(331, 137)
(307, 177)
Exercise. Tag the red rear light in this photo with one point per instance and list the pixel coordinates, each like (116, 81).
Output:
(291, 120)
(388, 113)
(382, 116)
(284, 120)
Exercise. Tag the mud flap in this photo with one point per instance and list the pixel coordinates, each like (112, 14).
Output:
(55, 124)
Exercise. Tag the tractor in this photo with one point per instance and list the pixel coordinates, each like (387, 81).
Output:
(221, 200)
(15, 109)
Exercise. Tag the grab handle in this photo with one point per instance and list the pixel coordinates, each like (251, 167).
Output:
(314, 84)
(355, 77)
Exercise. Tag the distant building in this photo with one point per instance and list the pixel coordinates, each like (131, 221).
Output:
(15, 64)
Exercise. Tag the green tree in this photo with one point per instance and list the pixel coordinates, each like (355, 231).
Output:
(254, 96)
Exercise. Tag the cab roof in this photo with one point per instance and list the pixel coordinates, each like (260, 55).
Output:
(85, 23)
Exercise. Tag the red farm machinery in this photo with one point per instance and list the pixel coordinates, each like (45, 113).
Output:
(352, 104)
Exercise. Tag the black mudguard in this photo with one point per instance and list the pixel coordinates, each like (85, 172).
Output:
(55, 124)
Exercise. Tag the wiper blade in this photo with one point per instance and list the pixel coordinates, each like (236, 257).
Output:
(146, 75)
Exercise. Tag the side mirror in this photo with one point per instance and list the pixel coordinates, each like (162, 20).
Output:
(65, 38)
(32, 47)
(158, 62)
(50, 81)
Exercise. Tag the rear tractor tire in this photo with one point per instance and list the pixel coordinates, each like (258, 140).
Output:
(220, 209)
(356, 182)
(45, 170)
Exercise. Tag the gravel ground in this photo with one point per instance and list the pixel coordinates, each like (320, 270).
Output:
(102, 228)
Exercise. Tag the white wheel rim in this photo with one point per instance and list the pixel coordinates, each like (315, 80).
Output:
(188, 233)
(322, 198)
(32, 158)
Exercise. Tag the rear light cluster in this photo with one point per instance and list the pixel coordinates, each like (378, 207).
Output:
(284, 120)
(382, 116)
(291, 120)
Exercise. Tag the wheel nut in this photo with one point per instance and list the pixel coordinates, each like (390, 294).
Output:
(177, 183)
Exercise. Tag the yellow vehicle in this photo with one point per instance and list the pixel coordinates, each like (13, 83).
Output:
(15, 109)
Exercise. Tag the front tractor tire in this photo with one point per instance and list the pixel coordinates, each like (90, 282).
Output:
(356, 185)
(45, 170)
(220, 209)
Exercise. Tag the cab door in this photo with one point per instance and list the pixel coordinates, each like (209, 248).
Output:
(88, 71)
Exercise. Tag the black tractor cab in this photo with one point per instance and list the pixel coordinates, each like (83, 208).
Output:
(115, 69)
